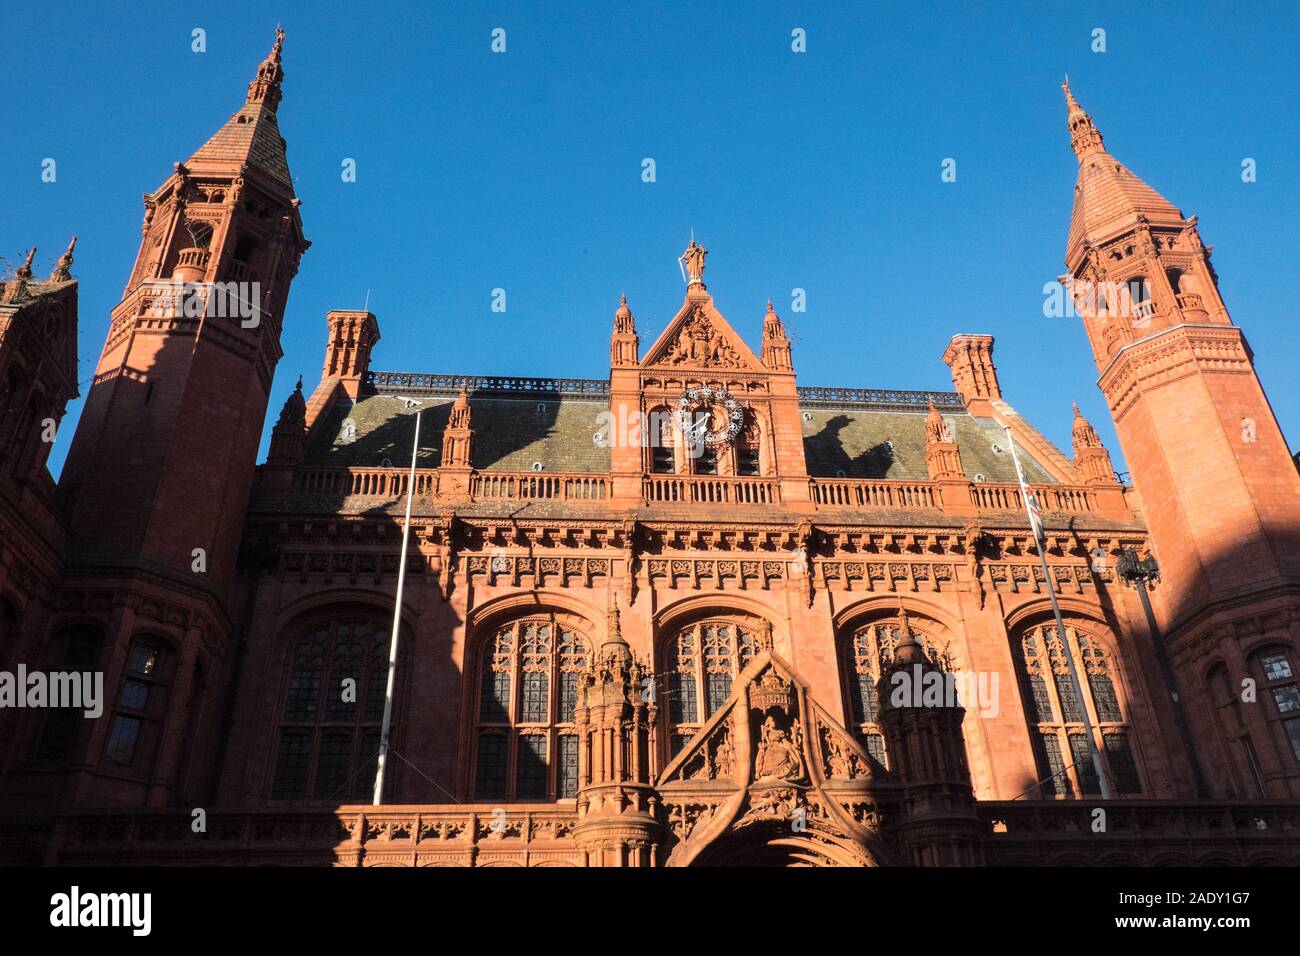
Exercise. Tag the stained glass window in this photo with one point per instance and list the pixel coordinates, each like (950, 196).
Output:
(1068, 762)
(542, 658)
(868, 649)
(568, 771)
(490, 766)
(531, 776)
(141, 701)
(1279, 673)
(703, 660)
(1049, 753)
(1119, 754)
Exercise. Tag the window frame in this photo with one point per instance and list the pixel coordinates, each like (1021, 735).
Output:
(1095, 662)
(317, 723)
(570, 650)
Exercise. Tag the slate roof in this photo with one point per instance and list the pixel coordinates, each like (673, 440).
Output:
(880, 443)
(251, 135)
(848, 433)
(510, 433)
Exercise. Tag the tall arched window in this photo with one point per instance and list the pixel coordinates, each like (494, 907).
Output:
(526, 747)
(869, 648)
(663, 441)
(748, 445)
(332, 712)
(703, 660)
(1232, 725)
(1281, 681)
(140, 706)
(80, 652)
(1055, 714)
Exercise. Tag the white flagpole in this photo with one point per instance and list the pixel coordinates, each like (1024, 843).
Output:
(397, 620)
(1034, 526)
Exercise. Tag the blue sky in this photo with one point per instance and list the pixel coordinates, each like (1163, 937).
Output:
(818, 171)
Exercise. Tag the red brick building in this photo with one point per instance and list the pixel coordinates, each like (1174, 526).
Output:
(647, 620)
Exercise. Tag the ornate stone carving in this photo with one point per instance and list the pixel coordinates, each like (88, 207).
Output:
(700, 344)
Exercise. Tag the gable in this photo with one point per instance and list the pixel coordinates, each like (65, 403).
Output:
(699, 337)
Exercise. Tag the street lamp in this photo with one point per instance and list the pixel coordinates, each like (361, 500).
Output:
(1139, 572)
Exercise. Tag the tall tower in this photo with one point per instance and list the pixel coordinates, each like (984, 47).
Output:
(163, 458)
(1221, 494)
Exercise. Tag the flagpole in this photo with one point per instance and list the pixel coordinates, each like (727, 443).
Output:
(1035, 526)
(397, 619)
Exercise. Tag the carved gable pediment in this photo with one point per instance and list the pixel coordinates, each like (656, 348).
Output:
(768, 756)
(699, 337)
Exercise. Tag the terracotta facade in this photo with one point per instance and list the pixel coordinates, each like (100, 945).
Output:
(658, 619)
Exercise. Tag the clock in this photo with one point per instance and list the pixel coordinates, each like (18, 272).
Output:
(709, 416)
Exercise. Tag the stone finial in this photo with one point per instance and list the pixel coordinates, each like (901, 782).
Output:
(265, 87)
(24, 271)
(1084, 136)
(63, 270)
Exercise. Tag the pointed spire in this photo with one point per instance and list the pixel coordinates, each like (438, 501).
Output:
(772, 326)
(252, 135)
(623, 343)
(25, 270)
(295, 407)
(908, 650)
(265, 87)
(776, 354)
(934, 430)
(458, 436)
(623, 321)
(1108, 197)
(1085, 138)
(1091, 459)
(614, 647)
(289, 436)
(63, 270)
(1085, 436)
(460, 411)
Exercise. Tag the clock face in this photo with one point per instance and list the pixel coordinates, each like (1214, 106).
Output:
(709, 416)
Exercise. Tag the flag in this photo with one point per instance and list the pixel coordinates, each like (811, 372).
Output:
(1031, 499)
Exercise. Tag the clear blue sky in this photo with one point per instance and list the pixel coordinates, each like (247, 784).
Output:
(818, 170)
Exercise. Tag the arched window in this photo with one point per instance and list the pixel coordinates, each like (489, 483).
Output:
(332, 713)
(140, 705)
(25, 416)
(1281, 681)
(869, 648)
(1139, 298)
(663, 441)
(526, 747)
(29, 446)
(80, 653)
(702, 660)
(1232, 726)
(1055, 714)
(748, 461)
